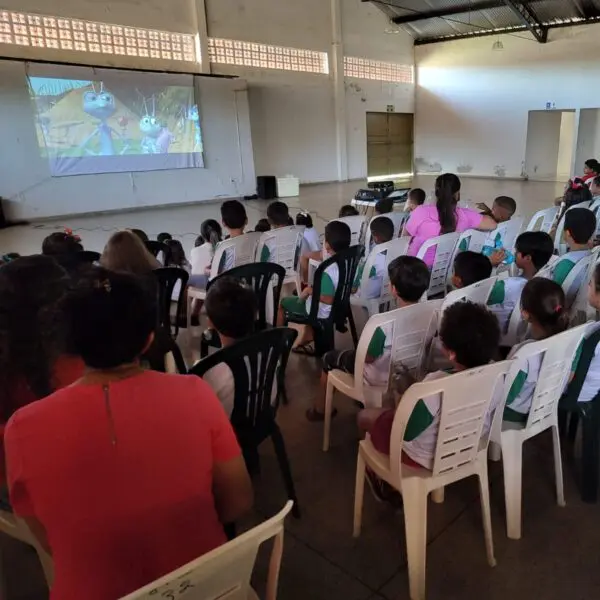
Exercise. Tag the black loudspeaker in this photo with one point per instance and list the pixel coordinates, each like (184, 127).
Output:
(266, 187)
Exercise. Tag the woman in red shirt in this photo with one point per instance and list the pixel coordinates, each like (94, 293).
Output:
(33, 362)
(127, 474)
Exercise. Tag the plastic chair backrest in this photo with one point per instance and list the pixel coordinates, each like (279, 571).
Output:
(509, 232)
(286, 244)
(347, 263)
(398, 218)
(517, 327)
(478, 293)
(545, 218)
(225, 572)
(595, 208)
(558, 355)
(577, 280)
(254, 362)
(444, 246)
(462, 419)
(411, 329)
(559, 246)
(242, 248)
(167, 278)
(581, 311)
(259, 277)
(357, 224)
(391, 250)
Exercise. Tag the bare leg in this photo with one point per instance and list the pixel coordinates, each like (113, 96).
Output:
(280, 317)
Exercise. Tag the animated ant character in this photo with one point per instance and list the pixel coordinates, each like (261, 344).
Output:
(157, 138)
(101, 105)
(193, 115)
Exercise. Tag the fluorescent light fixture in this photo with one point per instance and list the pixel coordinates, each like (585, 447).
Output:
(393, 176)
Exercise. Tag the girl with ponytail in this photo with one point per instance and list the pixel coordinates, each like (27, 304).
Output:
(543, 306)
(201, 256)
(428, 221)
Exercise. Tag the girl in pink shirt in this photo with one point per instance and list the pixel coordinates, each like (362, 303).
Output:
(428, 221)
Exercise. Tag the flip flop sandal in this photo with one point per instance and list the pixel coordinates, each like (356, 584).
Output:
(307, 349)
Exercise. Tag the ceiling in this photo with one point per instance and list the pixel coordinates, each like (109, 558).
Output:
(431, 21)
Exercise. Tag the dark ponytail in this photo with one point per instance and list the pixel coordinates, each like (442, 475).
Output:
(545, 302)
(446, 188)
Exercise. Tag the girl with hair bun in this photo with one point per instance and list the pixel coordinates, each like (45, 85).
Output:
(543, 306)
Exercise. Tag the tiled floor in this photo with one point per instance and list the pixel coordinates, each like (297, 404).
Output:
(557, 557)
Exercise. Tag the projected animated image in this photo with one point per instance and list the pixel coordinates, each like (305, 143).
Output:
(77, 119)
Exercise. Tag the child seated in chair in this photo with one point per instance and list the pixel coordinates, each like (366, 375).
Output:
(278, 215)
(382, 231)
(415, 197)
(543, 307)
(533, 250)
(348, 211)
(231, 310)
(469, 268)
(337, 238)
(384, 206)
(409, 279)
(579, 230)
(470, 336)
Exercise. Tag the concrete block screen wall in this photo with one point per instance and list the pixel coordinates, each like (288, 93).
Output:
(298, 108)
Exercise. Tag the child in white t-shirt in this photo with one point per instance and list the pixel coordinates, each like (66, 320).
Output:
(409, 279)
(470, 337)
(543, 307)
(231, 309)
(382, 231)
(202, 254)
(533, 250)
(311, 241)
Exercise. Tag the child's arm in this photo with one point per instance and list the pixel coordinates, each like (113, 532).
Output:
(484, 208)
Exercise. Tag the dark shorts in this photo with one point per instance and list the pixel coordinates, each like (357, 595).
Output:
(198, 281)
(339, 359)
(381, 437)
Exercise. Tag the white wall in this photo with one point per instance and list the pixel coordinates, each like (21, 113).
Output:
(564, 167)
(588, 137)
(472, 103)
(33, 193)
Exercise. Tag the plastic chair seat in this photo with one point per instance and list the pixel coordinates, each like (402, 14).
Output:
(371, 396)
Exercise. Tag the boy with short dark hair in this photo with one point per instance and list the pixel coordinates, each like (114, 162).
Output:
(409, 279)
(503, 209)
(382, 231)
(348, 211)
(164, 237)
(415, 197)
(231, 309)
(278, 215)
(533, 250)
(337, 238)
(469, 268)
(384, 206)
(234, 219)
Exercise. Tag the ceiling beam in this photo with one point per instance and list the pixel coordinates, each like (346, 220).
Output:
(447, 12)
(529, 19)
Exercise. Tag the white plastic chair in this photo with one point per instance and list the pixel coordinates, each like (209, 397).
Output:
(392, 250)
(443, 246)
(286, 245)
(558, 355)
(543, 220)
(357, 224)
(576, 280)
(517, 327)
(226, 571)
(18, 529)
(595, 208)
(509, 232)
(244, 252)
(461, 451)
(581, 311)
(478, 293)
(412, 328)
(399, 219)
(474, 241)
(559, 246)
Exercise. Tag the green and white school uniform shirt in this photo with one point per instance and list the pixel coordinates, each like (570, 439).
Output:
(504, 298)
(380, 348)
(329, 282)
(376, 276)
(268, 250)
(591, 385)
(565, 264)
(420, 437)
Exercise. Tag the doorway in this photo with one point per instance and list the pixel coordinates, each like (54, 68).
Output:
(550, 145)
(389, 144)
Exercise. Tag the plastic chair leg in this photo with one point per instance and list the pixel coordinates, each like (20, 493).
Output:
(590, 460)
(437, 495)
(328, 411)
(484, 494)
(512, 452)
(495, 452)
(415, 522)
(284, 466)
(359, 494)
(558, 470)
